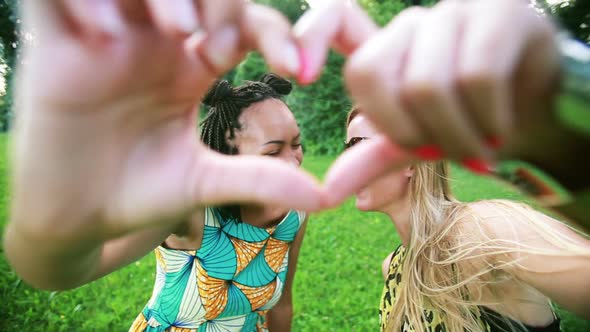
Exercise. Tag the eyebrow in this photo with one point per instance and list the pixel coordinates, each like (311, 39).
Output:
(281, 142)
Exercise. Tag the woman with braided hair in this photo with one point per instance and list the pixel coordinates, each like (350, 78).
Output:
(231, 268)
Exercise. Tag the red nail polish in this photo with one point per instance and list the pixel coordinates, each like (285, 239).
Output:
(429, 152)
(477, 166)
(494, 142)
(304, 76)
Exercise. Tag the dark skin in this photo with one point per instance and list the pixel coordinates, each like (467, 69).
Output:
(268, 129)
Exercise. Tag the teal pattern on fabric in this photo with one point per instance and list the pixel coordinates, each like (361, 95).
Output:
(257, 273)
(226, 285)
(217, 254)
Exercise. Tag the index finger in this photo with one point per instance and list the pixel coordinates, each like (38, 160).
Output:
(342, 25)
(359, 166)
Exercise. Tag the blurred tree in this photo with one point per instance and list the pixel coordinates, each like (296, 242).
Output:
(292, 9)
(9, 38)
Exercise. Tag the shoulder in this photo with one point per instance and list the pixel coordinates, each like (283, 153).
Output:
(501, 219)
(385, 265)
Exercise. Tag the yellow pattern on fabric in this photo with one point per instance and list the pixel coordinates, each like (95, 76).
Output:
(275, 252)
(245, 252)
(389, 297)
(213, 292)
(258, 296)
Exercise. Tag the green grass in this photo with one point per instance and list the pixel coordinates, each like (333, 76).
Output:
(337, 287)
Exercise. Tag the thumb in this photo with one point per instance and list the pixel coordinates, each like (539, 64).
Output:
(360, 165)
(254, 179)
(343, 25)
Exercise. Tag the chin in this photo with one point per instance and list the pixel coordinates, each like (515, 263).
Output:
(363, 205)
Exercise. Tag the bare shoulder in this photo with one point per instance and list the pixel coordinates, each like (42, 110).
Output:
(189, 234)
(385, 265)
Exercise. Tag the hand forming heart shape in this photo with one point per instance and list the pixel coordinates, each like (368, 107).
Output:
(106, 103)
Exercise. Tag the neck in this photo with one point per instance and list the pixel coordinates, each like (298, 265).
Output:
(400, 215)
(261, 216)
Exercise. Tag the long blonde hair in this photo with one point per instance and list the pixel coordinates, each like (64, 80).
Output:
(447, 265)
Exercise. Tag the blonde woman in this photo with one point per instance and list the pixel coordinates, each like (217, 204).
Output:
(485, 266)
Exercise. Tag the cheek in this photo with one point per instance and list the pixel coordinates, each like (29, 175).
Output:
(384, 191)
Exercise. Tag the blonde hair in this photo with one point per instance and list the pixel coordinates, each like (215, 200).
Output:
(452, 256)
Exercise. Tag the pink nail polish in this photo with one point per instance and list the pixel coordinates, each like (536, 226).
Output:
(429, 152)
(494, 142)
(477, 166)
(304, 76)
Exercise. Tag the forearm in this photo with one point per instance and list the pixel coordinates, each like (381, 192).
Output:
(279, 318)
(51, 265)
(48, 265)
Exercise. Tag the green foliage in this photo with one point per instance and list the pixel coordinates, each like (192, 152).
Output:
(251, 69)
(9, 25)
(292, 9)
(337, 287)
(382, 11)
(321, 110)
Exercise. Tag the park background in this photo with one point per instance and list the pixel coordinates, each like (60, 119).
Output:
(338, 281)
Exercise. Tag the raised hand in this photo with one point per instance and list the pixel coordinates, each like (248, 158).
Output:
(471, 81)
(106, 139)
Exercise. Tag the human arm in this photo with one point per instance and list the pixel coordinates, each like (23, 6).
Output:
(540, 251)
(281, 315)
(105, 152)
(483, 99)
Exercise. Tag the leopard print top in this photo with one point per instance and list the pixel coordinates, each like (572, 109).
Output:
(490, 320)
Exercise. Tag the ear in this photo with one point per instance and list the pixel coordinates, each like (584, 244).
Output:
(409, 171)
(232, 142)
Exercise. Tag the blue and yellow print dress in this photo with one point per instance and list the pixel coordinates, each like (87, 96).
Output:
(226, 285)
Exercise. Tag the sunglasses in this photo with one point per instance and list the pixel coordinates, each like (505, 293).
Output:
(353, 141)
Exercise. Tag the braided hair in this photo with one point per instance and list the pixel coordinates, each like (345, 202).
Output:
(226, 104)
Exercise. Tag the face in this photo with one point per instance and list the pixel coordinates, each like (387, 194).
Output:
(269, 129)
(387, 191)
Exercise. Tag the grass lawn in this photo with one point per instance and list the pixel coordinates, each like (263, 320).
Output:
(337, 287)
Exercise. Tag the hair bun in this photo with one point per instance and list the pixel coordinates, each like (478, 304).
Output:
(220, 91)
(280, 85)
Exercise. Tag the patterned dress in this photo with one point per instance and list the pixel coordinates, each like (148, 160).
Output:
(490, 320)
(228, 284)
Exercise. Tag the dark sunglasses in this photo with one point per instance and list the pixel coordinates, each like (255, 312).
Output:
(353, 141)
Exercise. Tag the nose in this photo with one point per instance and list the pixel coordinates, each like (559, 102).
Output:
(295, 158)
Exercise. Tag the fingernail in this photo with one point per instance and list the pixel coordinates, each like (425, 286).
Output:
(292, 58)
(305, 75)
(494, 142)
(478, 166)
(429, 152)
(108, 16)
(220, 47)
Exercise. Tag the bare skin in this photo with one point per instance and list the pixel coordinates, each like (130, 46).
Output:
(110, 158)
